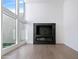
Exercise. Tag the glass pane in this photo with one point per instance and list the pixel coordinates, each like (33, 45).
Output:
(8, 31)
(10, 4)
(21, 7)
(21, 33)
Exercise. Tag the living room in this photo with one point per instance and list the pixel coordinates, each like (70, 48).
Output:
(48, 29)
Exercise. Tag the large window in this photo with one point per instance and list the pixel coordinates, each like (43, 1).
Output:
(10, 4)
(21, 8)
(13, 28)
(8, 31)
(21, 33)
(21, 26)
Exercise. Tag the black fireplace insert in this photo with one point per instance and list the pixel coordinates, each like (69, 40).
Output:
(44, 33)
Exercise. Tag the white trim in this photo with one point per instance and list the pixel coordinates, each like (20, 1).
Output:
(24, 11)
(1, 17)
(0, 26)
(17, 7)
(11, 48)
(70, 47)
(17, 13)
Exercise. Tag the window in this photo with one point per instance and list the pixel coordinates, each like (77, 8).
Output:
(21, 8)
(10, 4)
(13, 30)
(8, 31)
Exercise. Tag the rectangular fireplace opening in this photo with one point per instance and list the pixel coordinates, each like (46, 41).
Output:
(44, 30)
(44, 33)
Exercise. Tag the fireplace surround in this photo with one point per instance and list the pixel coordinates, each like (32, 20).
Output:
(44, 33)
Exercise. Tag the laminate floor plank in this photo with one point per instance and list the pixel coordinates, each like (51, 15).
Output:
(60, 51)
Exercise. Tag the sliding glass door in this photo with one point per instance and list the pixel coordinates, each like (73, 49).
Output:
(8, 31)
(8, 23)
(21, 31)
(13, 28)
(21, 25)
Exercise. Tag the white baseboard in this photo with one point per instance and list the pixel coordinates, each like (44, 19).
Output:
(32, 43)
(11, 48)
(71, 47)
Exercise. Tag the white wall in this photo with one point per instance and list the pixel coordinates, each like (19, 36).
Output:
(71, 23)
(61, 12)
(44, 11)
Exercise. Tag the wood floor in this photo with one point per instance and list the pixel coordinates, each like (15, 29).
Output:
(42, 52)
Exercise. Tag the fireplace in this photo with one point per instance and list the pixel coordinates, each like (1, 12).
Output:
(44, 33)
